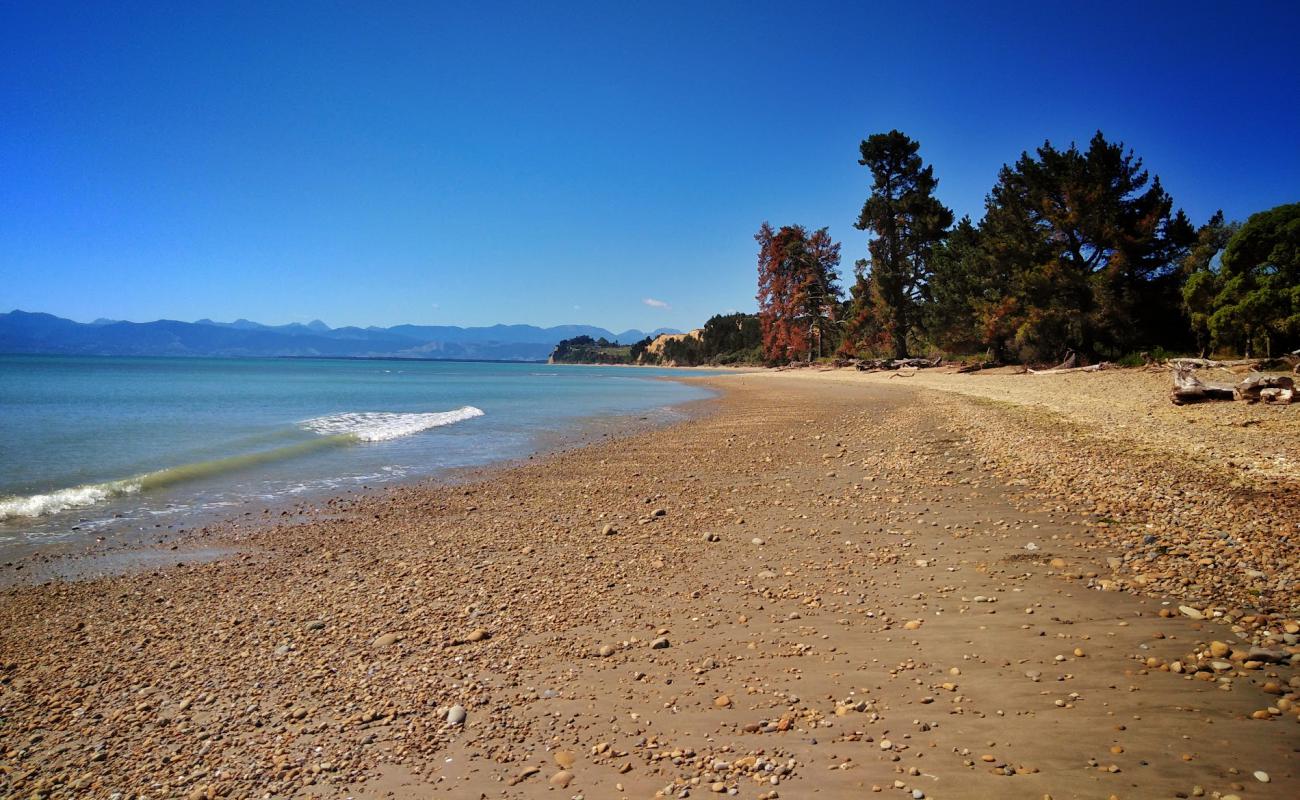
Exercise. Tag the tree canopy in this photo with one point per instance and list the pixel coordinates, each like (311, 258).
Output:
(798, 290)
(1250, 301)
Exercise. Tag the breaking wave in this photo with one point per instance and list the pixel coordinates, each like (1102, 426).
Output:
(336, 430)
(380, 426)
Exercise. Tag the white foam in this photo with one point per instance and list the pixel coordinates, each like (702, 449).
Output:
(37, 505)
(380, 426)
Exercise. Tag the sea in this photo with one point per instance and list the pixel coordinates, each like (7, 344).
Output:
(96, 447)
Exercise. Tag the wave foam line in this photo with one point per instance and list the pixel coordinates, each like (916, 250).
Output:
(37, 505)
(381, 426)
(338, 430)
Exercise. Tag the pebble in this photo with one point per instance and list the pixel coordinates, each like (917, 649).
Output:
(386, 640)
(562, 778)
(456, 715)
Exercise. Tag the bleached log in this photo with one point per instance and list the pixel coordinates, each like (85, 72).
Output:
(1190, 389)
(1251, 389)
(919, 363)
(1062, 371)
(1071, 361)
(1206, 363)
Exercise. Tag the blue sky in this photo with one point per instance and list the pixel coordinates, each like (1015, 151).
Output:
(472, 163)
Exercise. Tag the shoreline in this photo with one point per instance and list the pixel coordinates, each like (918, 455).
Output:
(208, 535)
(840, 572)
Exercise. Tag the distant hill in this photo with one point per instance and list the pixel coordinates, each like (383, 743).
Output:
(26, 332)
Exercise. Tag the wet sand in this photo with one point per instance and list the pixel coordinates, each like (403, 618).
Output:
(818, 588)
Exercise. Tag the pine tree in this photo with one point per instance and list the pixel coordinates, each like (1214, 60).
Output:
(907, 223)
(1094, 244)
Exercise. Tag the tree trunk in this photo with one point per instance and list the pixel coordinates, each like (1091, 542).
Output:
(900, 335)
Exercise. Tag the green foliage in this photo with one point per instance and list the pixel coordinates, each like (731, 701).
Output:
(1200, 271)
(1252, 302)
(1090, 244)
(586, 350)
(731, 339)
(637, 354)
(963, 286)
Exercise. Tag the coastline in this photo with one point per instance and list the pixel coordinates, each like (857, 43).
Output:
(208, 535)
(841, 573)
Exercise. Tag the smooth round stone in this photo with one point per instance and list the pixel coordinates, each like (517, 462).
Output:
(386, 640)
(659, 644)
(477, 635)
(1262, 776)
(605, 651)
(456, 715)
(565, 759)
(562, 778)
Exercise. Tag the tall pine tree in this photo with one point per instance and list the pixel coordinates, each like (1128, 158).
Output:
(906, 222)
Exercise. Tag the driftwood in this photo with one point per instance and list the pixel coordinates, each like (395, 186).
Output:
(1062, 370)
(1206, 363)
(874, 365)
(1190, 389)
(1070, 362)
(1270, 388)
(977, 366)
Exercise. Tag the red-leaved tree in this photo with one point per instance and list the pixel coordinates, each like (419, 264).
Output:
(798, 290)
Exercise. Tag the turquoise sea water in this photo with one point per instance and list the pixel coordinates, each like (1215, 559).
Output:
(95, 445)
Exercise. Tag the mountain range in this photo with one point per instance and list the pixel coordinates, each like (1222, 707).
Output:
(27, 332)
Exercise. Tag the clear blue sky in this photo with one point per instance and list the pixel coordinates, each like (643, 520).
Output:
(467, 163)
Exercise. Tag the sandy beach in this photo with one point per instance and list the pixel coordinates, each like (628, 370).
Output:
(825, 584)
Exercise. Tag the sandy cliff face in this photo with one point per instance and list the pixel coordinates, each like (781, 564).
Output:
(656, 347)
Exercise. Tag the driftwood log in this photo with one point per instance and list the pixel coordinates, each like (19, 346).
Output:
(1270, 388)
(1070, 362)
(1062, 370)
(1207, 363)
(1190, 389)
(873, 365)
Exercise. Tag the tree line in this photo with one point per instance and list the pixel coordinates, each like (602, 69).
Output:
(1079, 250)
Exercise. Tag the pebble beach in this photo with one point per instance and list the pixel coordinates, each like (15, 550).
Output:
(823, 584)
